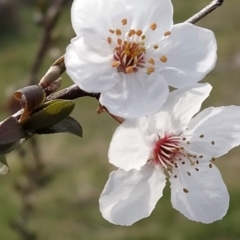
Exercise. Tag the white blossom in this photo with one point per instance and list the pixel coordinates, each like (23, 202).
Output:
(130, 51)
(182, 146)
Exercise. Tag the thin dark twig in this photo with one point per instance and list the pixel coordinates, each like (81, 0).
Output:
(205, 11)
(50, 22)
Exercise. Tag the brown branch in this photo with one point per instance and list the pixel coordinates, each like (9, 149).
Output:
(52, 18)
(205, 11)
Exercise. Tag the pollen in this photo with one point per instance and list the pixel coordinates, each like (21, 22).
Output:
(153, 26)
(163, 59)
(167, 33)
(124, 21)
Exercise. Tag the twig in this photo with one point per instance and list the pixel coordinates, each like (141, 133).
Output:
(205, 11)
(53, 14)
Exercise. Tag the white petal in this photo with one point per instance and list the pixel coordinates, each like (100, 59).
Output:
(88, 63)
(207, 199)
(145, 13)
(136, 95)
(190, 52)
(128, 149)
(97, 16)
(130, 196)
(220, 127)
(180, 107)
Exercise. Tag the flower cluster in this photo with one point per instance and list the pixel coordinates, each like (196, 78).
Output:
(130, 52)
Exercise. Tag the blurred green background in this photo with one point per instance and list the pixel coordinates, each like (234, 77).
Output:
(66, 208)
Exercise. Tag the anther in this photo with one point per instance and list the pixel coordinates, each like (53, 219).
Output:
(185, 190)
(210, 165)
(167, 33)
(124, 21)
(119, 41)
(129, 69)
(213, 159)
(184, 139)
(201, 136)
(118, 32)
(109, 40)
(189, 174)
(115, 64)
(111, 31)
(188, 142)
(163, 59)
(197, 169)
(212, 142)
(197, 162)
(155, 46)
(151, 61)
(201, 156)
(143, 37)
(139, 32)
(150, 70)
(153, 26)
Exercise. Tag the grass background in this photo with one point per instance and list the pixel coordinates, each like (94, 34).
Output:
(67, 208)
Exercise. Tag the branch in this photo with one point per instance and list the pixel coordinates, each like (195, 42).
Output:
(205, 11)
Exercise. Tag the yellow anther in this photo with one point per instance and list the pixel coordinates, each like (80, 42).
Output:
(115, 64)
(150, 70)
(139, 32)
(143, 37)
(151, 61)
(131, 32)
(119, 41)
(109, 40)
(153, 26)
(111, 31)
(124, 21)
(167, 33)
(118, 32)
(129, 69)
(155, 46)
(163, 59)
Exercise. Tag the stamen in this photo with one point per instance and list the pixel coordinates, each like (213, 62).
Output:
(124, 21)
(115, 64)
(167, 33)
(185, 190)
(150, 70)
(163, 59)
(109, 40)
(130, 69)
(153, 26)
(139, 32)
(151, 61)
(118, 32)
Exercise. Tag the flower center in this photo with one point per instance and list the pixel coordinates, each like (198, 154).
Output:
(130, 49)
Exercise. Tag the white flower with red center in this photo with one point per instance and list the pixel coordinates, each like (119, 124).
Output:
(176, 145)
(130, 51)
